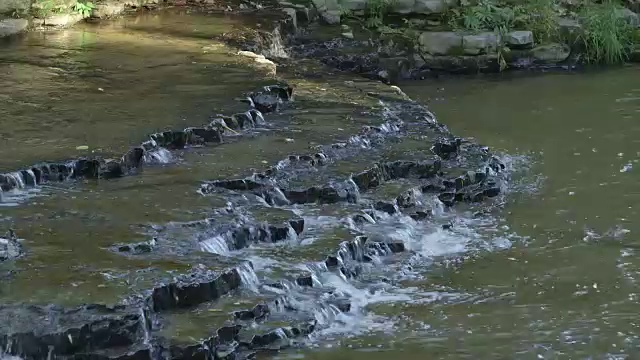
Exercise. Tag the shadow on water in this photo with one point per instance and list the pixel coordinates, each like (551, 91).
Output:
(107, 87)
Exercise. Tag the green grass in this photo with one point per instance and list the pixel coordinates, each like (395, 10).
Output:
(606, 37)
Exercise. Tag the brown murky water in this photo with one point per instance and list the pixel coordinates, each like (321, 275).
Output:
(566, 287)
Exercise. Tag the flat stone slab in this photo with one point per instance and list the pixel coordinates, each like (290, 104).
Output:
(10, 27)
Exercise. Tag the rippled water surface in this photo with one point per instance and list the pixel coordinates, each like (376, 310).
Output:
(552, 274)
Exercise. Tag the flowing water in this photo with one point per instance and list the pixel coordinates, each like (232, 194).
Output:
(546, 272)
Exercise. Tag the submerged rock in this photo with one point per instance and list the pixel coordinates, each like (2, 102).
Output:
(10, 247)
(10, 27)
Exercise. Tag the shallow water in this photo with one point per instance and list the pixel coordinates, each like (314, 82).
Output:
(551, 275)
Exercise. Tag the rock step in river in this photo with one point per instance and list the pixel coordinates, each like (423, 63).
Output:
(229, 306)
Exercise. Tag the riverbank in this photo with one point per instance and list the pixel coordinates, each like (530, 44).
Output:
(345, 223)
(397, 42)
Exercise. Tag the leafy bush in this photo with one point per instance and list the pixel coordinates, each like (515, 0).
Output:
(540, 16)
(606, 36)
(84, 9)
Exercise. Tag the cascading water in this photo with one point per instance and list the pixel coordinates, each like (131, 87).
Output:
(248, 277)
(158, 156)
(216, 245)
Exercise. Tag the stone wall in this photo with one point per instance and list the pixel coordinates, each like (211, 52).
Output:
(7, 7)
(331, 10)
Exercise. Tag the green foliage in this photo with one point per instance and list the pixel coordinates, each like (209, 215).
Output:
(540, 16)
(84, 9)
(483, 15)
(44, 8)
(606, 36)
(374, 13)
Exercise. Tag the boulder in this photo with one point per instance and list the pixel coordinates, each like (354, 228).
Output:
(440, 43)
(9, 6)
(629, 16)
(107, 9)
(425, 7)
(429, 7)
(634, 5)
(551, 53)
(10, 27)
(292, 14)
(484, 43)
(331, 17)
(62, 20)
(519, 39)
(10, 247)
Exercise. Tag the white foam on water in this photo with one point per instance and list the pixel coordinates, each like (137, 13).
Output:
(9, 357)
(159, 156)
(248, 277)
(15, 197)
(146, 339)
(215, 245)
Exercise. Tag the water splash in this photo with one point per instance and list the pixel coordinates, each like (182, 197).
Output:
(158, 156)
(276, 48)
(248, 277)
(216, 245)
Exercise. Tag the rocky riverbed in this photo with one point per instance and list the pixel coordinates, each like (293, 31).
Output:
(343, 157)
(263, 206)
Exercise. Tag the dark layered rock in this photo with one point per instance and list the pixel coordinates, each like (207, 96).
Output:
(270, 99)
(142, 247)
(199, 286)
(99, 168)
(40, 332)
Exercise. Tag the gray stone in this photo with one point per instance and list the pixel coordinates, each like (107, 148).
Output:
(9, 6)
(326, 5)
(352, 5)
(292, 13)
(10, 27)
(629, 16)
(107, 10)
(62, 20)
(429, 7)
(331, 17)
(440, 43)
(634, 5)
(519, 39)
(403, 6)
(484, 43)
(551, 53)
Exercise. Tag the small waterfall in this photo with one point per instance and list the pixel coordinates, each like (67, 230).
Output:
(355, 191)
(215, 245)
(31, 177)
(257, 116)
(248, 276)
(17, 179)
(276, 48)
(325, 314)
(146, 325)
(280, 333)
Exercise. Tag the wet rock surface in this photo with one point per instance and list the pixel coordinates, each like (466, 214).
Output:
(281, 307)
(153, 151)
(10, 247)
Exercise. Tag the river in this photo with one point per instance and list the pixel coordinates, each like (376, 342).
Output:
(548, 272)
